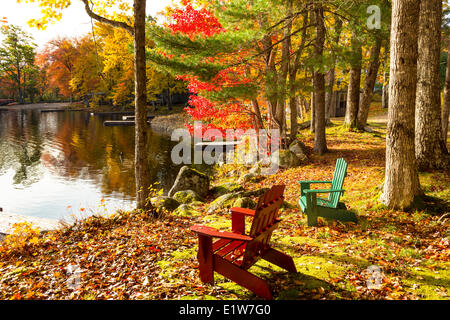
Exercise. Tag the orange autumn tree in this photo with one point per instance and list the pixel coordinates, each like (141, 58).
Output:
(59, 56)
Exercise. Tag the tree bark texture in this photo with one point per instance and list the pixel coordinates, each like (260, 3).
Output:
(354, 84)
(446, 104)
(401, 183)
(320, 142)
(431, 151)
(369, 84)
(141, 163)
(330, 74)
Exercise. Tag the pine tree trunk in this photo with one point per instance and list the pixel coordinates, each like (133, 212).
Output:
(385, 92)
(312, 126)
(354, 84)
(401, 183)
(429, 145)
(329, 83)
(446, 104)
(320, 142)
(330, 75)
(369, 84)
(141, 163)
(293, 116)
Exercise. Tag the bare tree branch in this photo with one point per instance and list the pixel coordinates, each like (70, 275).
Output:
(114, 23)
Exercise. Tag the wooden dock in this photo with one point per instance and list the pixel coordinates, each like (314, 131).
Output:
(53, 110)
(110, 123)
(150, 117)
(217, 144)
(112, 113)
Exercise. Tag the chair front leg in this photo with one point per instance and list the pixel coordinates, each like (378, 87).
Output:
(311, 209)
(205, 259)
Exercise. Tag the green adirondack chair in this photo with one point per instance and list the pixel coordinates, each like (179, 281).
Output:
(330, 208)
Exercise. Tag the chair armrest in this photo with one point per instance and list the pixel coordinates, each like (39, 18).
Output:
(214, 233)
(305, 185)
(243, 211)
(323, 190)
(313, 181)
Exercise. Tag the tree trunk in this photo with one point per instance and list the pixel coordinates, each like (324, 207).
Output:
(401, 183)
(385, 92)
(293, 69)
(257, 115)
(446, 104)
(312, 126)
(330, 75)
(354, 84)
(320, 142)
(141, 163)
(429, 145)
(369, 84)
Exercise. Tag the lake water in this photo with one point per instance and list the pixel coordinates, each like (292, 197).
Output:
(57, 164)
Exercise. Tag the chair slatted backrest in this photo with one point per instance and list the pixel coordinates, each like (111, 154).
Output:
(267, 210)
(340, 171)
(265, 217)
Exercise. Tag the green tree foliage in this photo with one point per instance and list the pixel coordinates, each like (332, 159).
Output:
(18, 73)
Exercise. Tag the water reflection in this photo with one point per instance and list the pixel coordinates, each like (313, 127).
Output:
(53, 164)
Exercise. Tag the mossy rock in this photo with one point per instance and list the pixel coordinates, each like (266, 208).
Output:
(224, 201)
(225, 188)
(166, 203)
(186, 210)
(288, 159)
(244, 203)
(249, 177)
(196, 204)
(187, 196)
(190, 179)
(299, 149)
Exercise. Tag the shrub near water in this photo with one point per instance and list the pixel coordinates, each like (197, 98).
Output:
(21, 240)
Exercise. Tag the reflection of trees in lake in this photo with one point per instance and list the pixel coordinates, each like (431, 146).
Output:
(22, 151)
(76, 146)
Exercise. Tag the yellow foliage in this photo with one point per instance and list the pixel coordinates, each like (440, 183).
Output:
(21, 240)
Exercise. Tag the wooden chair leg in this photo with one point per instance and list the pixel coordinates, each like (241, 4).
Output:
(311, 210)
(205, 259)
(242, 277)
(280, 259)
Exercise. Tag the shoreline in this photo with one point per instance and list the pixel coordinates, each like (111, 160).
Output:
(7, 220)
(161, 124)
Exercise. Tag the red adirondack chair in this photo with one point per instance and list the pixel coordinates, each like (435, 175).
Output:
(234, 252)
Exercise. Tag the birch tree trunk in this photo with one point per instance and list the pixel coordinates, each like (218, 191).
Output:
(429, 145)
(401, 184)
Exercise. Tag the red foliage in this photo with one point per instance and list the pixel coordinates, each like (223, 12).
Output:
(194, 22)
